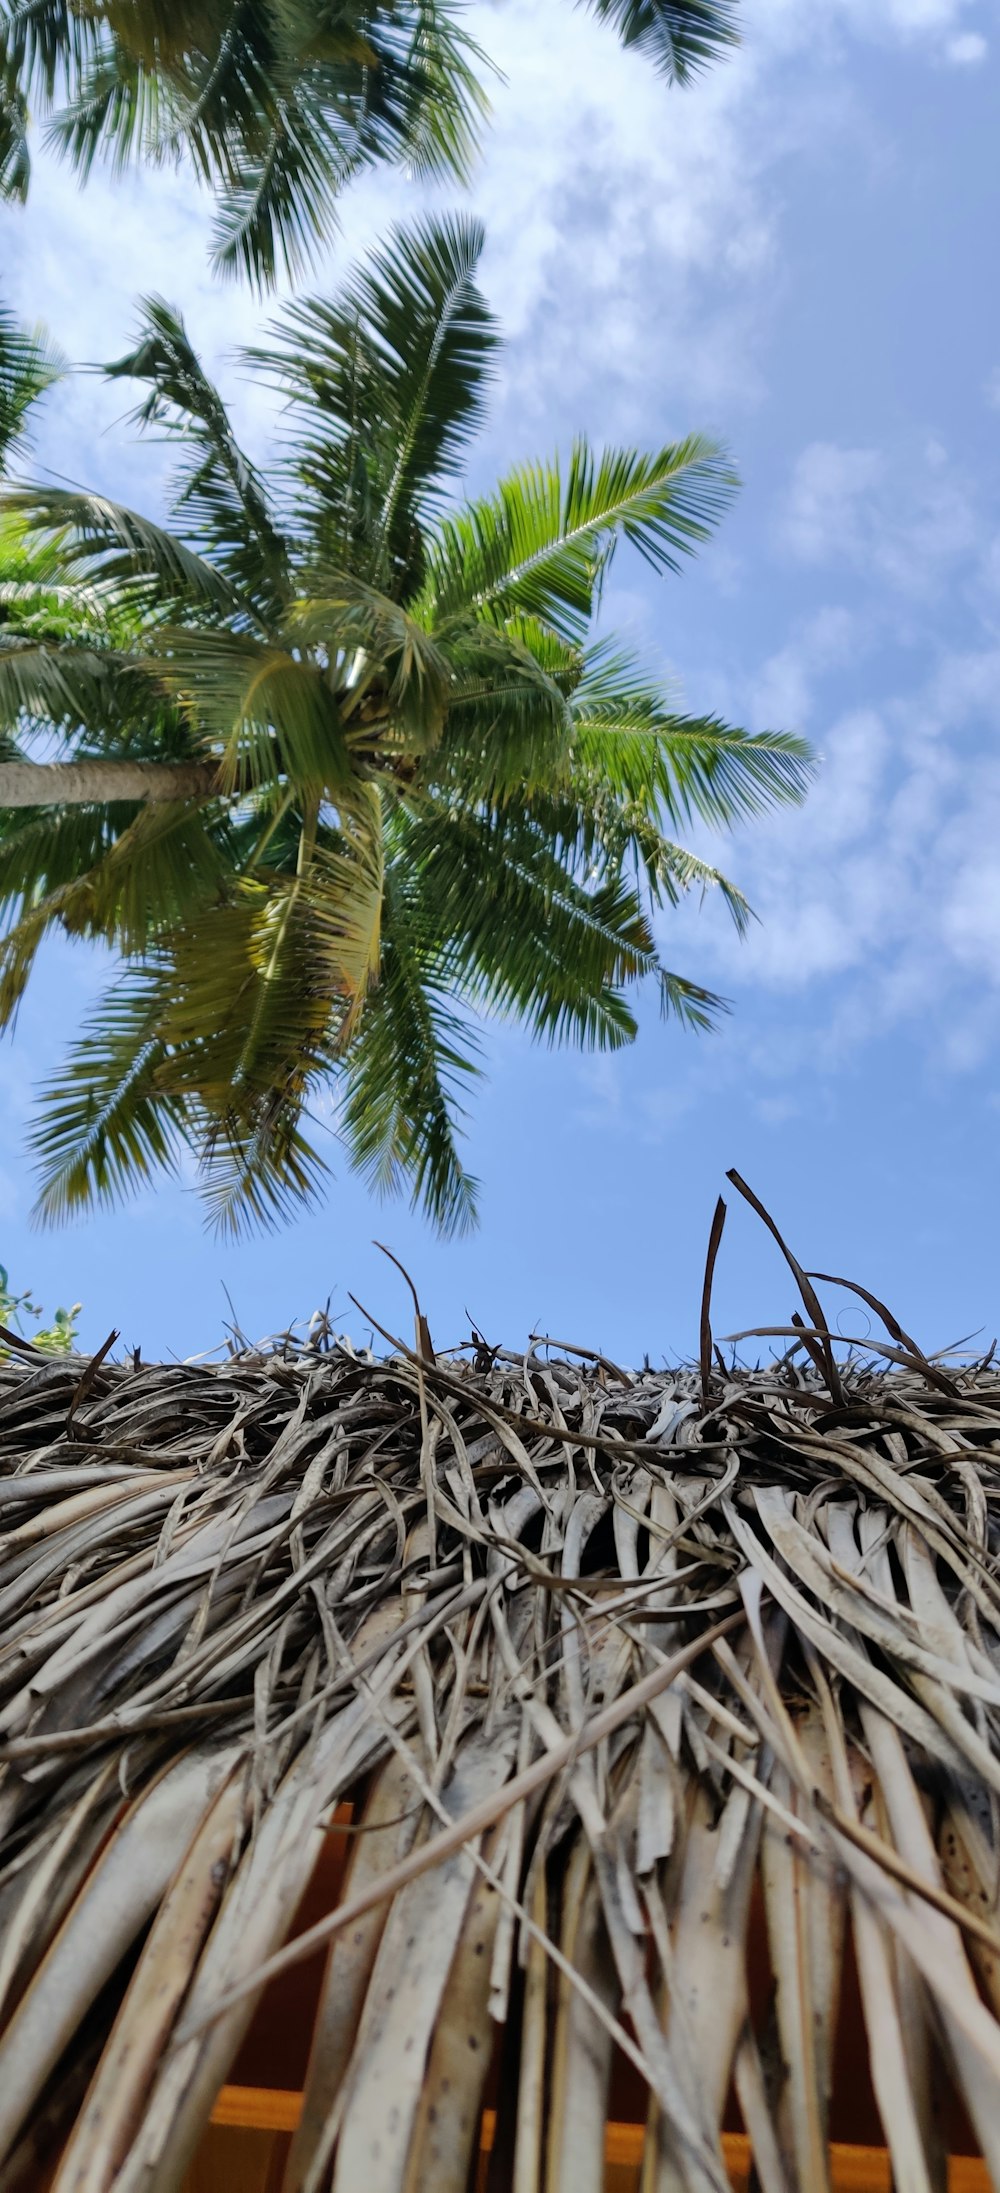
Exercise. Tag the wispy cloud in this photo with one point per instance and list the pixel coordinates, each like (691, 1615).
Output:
(929, 22)
(879, 902)
(966, 51)
(908, 523)
(888, 880)
(635, 237)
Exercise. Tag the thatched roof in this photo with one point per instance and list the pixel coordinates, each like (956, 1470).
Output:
(607, 1663)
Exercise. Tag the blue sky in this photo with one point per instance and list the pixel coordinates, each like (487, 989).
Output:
(796, 255)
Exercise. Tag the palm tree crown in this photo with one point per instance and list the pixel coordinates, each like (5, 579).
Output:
(342, 762)
(277, 103)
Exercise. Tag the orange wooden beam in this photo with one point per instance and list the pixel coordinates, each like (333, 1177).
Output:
(853, 2169)
(257, 2108)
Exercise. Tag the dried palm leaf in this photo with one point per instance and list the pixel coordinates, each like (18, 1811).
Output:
(619, 1671)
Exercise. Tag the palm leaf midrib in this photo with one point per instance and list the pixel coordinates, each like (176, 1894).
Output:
(458, 288)
(591, 527)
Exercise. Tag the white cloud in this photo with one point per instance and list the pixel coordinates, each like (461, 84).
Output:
(928, 23)
(611, 204)
(905, 19)
(887, 884)
(884, 891)
(783, 691)
(776, 1111)
(830, 492)
(967, 50)
(629, 226)
(815, 877)
(854, 758)
(971, 915)
(909, 521)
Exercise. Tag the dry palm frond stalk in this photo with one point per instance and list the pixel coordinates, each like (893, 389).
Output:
(604, 1661)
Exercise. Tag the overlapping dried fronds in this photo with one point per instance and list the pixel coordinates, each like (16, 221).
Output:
(601, 1657)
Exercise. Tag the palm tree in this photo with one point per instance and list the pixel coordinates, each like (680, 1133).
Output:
(344, 762)
(277, 103)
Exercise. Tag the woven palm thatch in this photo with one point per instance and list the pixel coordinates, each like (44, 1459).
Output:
(603, 1660)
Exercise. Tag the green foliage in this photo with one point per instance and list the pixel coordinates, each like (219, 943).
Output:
(277, 104)
(679, 36)
(28, 366)
(437, 796)
(55, 1339)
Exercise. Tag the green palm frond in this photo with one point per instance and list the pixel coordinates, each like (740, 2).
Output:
(414, 1055)
(424, 314)
(392, 681)
(716, 770)
(258, 1172)
(268, 714)
(46, 44)
(387, 387)
(102, 1128)
(541, 544)
(399, 83)
(342, 886)
(45, 608)
(168, 864)
(400, 1119)
(40, 599)
(71, 687)
(248, 1011)
(267, 986)
(15, 157)
(29, 363)
(509, 728)
(217, 494)
(511, 927)
(306, 959)
(269, 221)
(672, 871)
(680, 999)
(21, 945)
(113, 112)
(438, 111)
(111, 543)
(601, 836)
(43, 848)
(687, 765)
(251, 1025)
(680, 36)
(119, 873)
(276, 106)
(115, 875)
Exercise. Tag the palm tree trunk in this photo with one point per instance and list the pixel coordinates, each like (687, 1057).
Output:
(91, 783)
